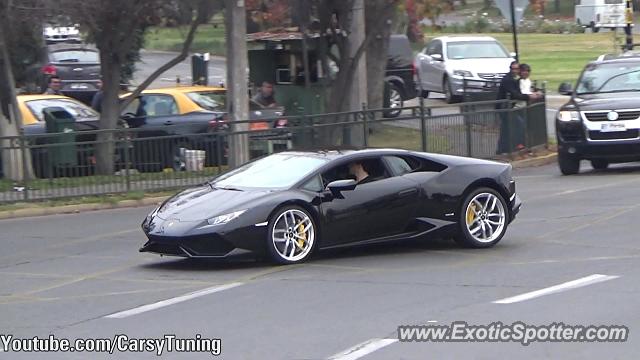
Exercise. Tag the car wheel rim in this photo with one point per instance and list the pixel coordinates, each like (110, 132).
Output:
(485, 217)
(293, 235)
(395, 100)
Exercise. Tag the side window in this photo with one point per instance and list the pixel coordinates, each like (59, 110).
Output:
(400, 166)
(158, 105)
(362, 170)
(438, 47)
(314, 184)
(429, 50)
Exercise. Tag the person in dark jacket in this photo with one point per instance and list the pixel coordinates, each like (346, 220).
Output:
(512, 127)
(96, 102)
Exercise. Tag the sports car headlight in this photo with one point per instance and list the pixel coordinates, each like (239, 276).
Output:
(462, 73)
(223, 219)
(568, 116)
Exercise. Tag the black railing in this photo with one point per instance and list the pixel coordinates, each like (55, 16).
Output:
(68, 166)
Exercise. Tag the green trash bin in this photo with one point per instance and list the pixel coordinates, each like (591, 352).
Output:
(60, 122)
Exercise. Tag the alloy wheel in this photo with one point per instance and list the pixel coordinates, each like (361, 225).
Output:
(485, 217)
(293, 235)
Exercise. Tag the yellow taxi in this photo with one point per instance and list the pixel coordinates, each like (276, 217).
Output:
(31, 107)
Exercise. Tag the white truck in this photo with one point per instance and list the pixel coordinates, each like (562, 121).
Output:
(596, 14)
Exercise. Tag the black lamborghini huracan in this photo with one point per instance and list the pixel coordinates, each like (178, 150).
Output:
(289, 204)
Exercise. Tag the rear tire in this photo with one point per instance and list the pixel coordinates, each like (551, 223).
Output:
(569, 164)
(395, 101)
(599, 164)
(483, 219)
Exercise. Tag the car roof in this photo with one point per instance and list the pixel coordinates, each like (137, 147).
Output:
(27, 116)
(624, 57)
(334, 154)
(465, 38)
(182, 89)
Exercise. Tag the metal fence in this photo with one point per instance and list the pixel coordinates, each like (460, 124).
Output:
(67, 164)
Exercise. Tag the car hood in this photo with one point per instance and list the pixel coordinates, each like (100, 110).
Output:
(607, 101)
(493, 65)
(204, 202)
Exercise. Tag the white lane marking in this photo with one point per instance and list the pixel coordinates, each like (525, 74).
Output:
(175, 300)
(588, 280)
(363, 349)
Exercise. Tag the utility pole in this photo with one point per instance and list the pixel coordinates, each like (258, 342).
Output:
(514, 29)
(358, 87)
(629, 20)
(237, 87)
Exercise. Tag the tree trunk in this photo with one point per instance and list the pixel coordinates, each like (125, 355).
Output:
(376, 65)
(16, 165)
(237, 92)
(110, 112)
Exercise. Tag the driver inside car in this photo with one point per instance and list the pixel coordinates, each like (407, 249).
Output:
(357, 169)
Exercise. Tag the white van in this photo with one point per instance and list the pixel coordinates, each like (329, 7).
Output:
(597, 14)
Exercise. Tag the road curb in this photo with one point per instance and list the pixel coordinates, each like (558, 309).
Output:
(536, 161)
(74, 209)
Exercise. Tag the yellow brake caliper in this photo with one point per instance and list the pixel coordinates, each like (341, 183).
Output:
(471, 213)
(302, 236)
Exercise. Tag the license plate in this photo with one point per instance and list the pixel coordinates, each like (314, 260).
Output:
(613, 127)
(79, 86)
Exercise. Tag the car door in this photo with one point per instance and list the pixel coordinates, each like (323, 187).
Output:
(374, 209)
(432, 68)
(154, 114)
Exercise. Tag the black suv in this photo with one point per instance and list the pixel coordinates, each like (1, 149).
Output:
(601, 122)
(399, 75)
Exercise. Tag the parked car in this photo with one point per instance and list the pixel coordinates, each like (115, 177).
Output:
(597, 14)
(601, 121)
(56, 34)
(187, 117)
(86, 119)
(399, 75)
(446, 62)
(77, 65)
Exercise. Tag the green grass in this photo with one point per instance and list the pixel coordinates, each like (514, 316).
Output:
(99, 199)
(209, 38)
(387, 136)
(556, 58)
(69, 182)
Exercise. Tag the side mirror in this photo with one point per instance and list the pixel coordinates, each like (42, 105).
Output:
(565, 89)
(437, 57)
(338, 186)
(512, 54)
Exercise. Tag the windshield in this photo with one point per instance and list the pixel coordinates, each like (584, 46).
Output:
(75, 56)
(212, 100)
(612, 77)
(78, 110)
(274, 171)
(475, 50)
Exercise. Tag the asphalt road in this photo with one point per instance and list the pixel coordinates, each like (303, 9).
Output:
(64, 274)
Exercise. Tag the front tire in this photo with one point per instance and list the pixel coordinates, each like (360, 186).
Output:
(448, 92)
(292, 235)
(483, 219)
(569, 164)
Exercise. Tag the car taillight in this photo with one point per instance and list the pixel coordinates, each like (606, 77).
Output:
(49, 70)
(218, 123)
(281, 123)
